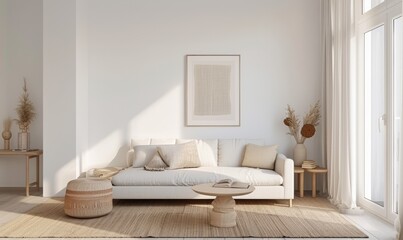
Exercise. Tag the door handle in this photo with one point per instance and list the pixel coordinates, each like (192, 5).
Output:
(382, 118)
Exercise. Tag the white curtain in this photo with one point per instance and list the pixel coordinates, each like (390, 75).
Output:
(338, 47)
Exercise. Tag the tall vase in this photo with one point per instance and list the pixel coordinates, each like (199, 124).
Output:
(6, 136)
(23, 140)
(299, 154)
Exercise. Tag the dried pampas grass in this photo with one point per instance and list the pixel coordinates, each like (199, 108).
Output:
(310, 121)
(25, 110)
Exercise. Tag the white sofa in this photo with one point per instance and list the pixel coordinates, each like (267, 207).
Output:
(220, 158)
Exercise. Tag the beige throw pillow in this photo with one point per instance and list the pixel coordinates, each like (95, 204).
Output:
(260, 156)
(207, 149)
(180, 155)
(155, 164)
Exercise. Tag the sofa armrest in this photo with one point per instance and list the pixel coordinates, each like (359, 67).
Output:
(285, 167)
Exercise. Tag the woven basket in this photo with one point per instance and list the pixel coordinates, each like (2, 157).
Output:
(88, 198)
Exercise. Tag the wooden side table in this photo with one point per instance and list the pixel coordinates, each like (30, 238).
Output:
(315, 171)
(28, 155)
(300, 172)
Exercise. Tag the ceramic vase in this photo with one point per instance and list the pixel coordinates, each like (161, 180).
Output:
(23, 140)
(299, 154)
(6, 136)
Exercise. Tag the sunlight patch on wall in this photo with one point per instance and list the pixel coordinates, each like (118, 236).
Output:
(60, 178)
(156, 120)
(106, 152)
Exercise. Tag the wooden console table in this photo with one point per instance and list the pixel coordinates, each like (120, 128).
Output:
(28, 155)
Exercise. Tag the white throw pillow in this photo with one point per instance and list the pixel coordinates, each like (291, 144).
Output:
(156, 164)
(142, 154)
(130, 157)
(260, 156)
(180, 155)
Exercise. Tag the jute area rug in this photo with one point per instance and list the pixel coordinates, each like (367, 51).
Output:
(185, 218)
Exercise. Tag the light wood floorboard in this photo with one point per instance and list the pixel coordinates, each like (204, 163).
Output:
(14, 203)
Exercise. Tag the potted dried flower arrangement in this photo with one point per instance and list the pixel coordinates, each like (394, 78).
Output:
(26, 115)
(310, 121)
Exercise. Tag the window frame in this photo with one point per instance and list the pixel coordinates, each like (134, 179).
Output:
(383, 14)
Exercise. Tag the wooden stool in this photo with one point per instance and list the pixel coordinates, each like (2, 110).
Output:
(88, 198)
(300, 171)
(314, 171)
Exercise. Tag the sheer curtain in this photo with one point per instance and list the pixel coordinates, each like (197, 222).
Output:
(399, 220)
(338, 47)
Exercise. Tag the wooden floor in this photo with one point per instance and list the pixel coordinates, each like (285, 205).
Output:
(13, 203)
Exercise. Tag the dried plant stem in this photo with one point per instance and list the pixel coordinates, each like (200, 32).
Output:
(294, 123)
(312, 117)
(310, 121)
(25, 110)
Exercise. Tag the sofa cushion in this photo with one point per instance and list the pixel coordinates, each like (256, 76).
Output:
(156, 163)
(231, 151)
(143, 154)
(142, 150)
(194, 176)
(180, 155)
(257, 156)
(207, 151)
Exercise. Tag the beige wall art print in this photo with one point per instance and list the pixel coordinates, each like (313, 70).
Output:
(213, 90)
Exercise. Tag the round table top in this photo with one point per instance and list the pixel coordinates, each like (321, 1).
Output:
(317, 170)
(298, 169)
(208, 189)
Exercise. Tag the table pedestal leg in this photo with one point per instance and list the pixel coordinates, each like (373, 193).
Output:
(37, 173)
(313, 185)
(223, 213)
(27, 176)
(301, 185)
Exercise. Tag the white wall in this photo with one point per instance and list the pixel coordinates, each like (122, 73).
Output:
(21, 56)
(117, 68)
(3, 67)
(137, 51)
(81, 82)
(59, 86)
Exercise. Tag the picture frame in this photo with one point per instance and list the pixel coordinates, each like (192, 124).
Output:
(212, 90)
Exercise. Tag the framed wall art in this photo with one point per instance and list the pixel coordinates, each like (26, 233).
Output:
(212, 90)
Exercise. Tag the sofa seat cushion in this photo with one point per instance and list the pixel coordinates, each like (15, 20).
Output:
(194, 176)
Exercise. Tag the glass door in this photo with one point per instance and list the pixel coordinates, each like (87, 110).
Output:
(375, 116)
(380, 100)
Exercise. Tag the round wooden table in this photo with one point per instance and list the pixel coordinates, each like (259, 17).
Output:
(223, 213)
(300, 172)
(315, 171)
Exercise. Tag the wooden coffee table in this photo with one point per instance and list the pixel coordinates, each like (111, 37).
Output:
(223, 213)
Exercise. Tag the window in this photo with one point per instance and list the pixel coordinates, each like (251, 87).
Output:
(375, 137)
(379, 104)
(370, 4)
